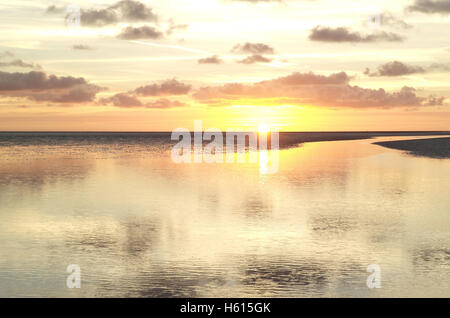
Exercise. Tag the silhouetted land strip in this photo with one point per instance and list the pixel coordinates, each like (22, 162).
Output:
(163, 139)
(293, 139)
(433, 147)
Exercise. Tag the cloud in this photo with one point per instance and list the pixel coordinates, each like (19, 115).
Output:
(164, 103)
(395, 68)
(19, 63)
(175, 27)
(6, 54)
(330, 91)
(127, 100)
(55, 10)
(37, 81)
(210, 60)
(388, 19)
(16, 62)
(78, 94)
(445, 67)
(144, 32)
(255, 58)
(253, 48)
(42, 87)
(122, 100)
(429, 6)
(122, 11)
(169, 87)
(340, 34)
(131, 99)
(81, 47)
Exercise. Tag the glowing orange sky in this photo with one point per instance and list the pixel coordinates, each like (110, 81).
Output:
(232, 64)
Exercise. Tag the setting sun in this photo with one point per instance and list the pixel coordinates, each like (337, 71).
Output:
(247, 149)
(263, 129)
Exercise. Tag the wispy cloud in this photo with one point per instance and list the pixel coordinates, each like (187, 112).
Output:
(177, 47)
(395, 68)
(430, 6)
(210, 60)
(341, 34)
(143, 32)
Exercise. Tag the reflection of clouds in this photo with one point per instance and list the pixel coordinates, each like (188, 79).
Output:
(24, 177)
(332, 225)
(140, 235)
(40, 172)
(171, 279)
(179, 282)
(285, 274)
(431, 257)
(91, 237)
(256, 205)
(133, 236)
(209, 198)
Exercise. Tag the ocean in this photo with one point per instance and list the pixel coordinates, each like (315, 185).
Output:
(139, 225)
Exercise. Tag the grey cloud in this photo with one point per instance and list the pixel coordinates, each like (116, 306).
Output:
(98, 18)
(122, 11)
(19, 63)
(169, 87)
(78, 94)
(255, 58)
(37, 81)
(308, 88)
(134, 11)
(429, 6)
(395, 68)
(310, 78)
(6, 54)
(122, 100)
(340, 34)
(175, 27)
(210, 60)
(440, 67)
(127, 100)
(144, 32)
(55, 10)
(253, 48)
(81, 47)
(434, 101)
(42, 87)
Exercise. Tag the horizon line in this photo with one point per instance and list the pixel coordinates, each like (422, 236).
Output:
(311, 131)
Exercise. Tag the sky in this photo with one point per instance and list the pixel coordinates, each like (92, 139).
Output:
(291, 65)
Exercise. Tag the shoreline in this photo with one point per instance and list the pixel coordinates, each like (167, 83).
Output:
(433, 147)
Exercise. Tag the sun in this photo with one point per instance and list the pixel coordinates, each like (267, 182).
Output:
(263, 129)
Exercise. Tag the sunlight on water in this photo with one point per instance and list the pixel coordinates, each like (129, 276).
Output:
(140, 225)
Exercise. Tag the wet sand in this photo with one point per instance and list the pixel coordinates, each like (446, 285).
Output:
(433, 147)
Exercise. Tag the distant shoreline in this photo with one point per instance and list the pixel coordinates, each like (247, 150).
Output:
(286, 139)
(370, 132)
(432, 147)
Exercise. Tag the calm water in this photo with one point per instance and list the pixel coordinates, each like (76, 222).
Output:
(140, 225)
